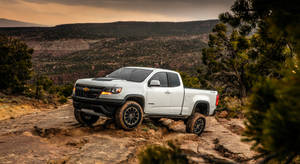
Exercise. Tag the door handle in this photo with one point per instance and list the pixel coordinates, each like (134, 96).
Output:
(167, 92)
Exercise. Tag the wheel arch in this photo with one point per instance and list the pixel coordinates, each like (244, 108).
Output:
(201, 106)
(137, 98)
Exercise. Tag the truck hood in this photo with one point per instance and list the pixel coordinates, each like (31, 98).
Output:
(103, 82)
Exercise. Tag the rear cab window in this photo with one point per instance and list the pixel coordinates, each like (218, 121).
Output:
(173, 79)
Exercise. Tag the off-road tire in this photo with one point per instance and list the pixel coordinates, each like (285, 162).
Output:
(196, 124)
(129, 116)
(84, 118)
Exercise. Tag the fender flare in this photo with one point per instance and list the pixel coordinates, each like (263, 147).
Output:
(201, 102)
(136, 96)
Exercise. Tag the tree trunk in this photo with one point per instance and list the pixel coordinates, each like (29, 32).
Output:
(37, 90)
(243, 92)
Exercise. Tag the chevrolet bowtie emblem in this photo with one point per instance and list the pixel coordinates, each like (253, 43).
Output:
(86, 89)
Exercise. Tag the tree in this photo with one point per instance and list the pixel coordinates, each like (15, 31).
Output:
(227, 61)
(41, 83)
(15, 64)
(280, 18)
(190, 81)
(234, 60)
(272, 118)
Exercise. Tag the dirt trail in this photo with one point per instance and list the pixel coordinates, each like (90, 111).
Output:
(55, 137)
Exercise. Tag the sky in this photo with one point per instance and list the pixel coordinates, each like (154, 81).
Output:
(53, 12)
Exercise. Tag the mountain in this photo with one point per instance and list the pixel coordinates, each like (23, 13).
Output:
(115, 29)
(68, 52)
(13, 23)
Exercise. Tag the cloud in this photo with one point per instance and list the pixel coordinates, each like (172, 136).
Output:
(166, 7)
(52, 12)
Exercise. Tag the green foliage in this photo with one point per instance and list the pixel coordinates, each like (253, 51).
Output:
(190, 81)
(234, 61)
(15, 64)
(44, 89)
(65, 90)
(62, 99)
(162, 155)
(274, 110)
(262, 97)
(42, 83)
(234, 106)
(258, 45)
(280, 17)
(226, 61)
(273, 117)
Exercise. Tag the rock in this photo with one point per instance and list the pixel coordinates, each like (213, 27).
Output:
(151, 131)
(177, 126)
(27, 134)
(237, 129)
(223, 114)
(166, 121)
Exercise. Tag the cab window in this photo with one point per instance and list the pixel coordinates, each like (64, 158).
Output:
(173, 79)
(161, 77)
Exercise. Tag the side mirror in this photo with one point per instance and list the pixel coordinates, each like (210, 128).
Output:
(154, 83)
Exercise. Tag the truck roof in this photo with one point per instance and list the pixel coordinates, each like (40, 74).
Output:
(156, 69)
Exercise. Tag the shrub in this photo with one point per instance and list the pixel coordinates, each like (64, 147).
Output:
(162, 155)
(42, 83)
(64, 90)
(190, 81)
(62, 99)
(273, 118)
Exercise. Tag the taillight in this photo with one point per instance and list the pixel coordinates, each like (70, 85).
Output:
(217, 100)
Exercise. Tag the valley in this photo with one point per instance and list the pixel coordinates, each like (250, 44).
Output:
(68, 52)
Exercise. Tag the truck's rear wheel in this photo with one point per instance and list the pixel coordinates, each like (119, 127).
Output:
(129, 116)
(84, 118)
(196, 124)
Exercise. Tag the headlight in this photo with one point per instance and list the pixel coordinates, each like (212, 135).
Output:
(74, 89)
(109, 91)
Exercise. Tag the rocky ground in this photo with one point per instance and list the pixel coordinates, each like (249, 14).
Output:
(54, 136)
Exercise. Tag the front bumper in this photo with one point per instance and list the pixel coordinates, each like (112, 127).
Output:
(99, 105)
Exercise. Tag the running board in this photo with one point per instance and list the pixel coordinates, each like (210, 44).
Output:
(166, 116)
(92, 112)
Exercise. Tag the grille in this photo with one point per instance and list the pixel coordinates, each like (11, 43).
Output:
(88, 91)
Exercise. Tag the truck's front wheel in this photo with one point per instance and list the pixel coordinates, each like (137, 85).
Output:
(196, 124)
(129, 116)
(84, 118)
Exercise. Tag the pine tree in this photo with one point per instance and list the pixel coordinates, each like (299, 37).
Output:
(227, 61)
(272, 118)
(15, 64)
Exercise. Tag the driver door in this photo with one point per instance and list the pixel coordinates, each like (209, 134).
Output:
(158, 101)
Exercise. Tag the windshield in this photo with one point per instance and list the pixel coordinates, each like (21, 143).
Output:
(130, 74)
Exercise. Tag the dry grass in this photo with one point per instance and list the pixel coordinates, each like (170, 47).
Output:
(13, 106)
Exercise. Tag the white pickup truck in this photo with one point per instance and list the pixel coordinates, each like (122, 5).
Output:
(131, 93)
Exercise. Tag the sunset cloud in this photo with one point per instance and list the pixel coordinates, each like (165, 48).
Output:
(52, 12)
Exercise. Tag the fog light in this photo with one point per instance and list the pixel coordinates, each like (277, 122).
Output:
(106, 93)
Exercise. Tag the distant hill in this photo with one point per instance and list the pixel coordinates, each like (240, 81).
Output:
(115, 29)
(71, 51)
(14, 23)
